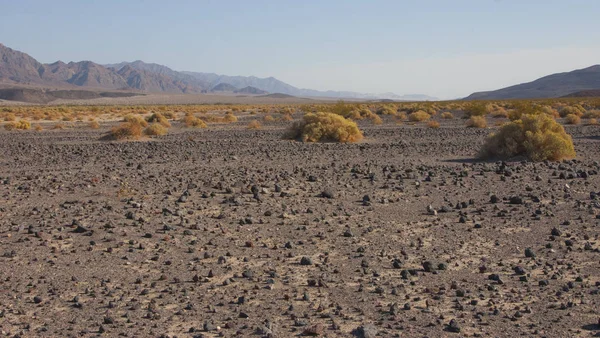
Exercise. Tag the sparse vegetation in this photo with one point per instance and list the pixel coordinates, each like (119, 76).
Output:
(419, 116)
(572, 119)
(191, 121)
(447, 115)
(155, 129)
(538, 137)
(94, 125)
(477, 122)
(127, 130)
(18, 125)
(327, 127)
(159, 118)
(254, 124)
(433, 124)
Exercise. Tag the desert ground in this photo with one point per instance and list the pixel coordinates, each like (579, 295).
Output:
(228, 231)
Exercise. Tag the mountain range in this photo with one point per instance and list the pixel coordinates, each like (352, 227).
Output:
(18, 68)
(574, 83)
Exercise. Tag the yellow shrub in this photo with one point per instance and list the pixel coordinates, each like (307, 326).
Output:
(287, 117)
(135, 119)
(10, 117)
(387, 110)
(38, 128)
(254, 124)
(190, 120)
(575, 110)
(447, 115)
(155, 129)
(268, 118)
(159, 118)
(19, 125)
(326, 127)
(593, 122)
(538, 137)
(419, 116)
(572, 119)
(433, 124)
(592, 114)
(127, 130)
(477, 122)
(229, 117)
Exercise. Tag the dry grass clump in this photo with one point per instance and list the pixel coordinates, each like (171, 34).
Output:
(254, 124)
(476, 109)
(191, 121)
(10, 117)
(38, 128)
(592, 114)
(419, 116)
(268, 118)
(592, 122)
(59, 126)
(387, 110)
(538, 137)
(433, 124)
(155, 129)
(287, 117)
(447, 115)
(477, 122)
(159, 118)
(18, 125)
(135, 119)
(127, 130)
(94, 125)
(327, 127)
(572, 119)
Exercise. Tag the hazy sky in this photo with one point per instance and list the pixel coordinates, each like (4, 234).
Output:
(444, 48)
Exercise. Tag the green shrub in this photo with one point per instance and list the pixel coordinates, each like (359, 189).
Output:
(538, 137)
(328, 127)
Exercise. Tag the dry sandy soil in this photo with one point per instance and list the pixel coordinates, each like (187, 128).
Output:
(228, 232)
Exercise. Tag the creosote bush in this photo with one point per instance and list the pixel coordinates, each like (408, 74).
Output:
(19, 125)
(127, 130)
(477, 122)
(326, 127)
(538, 137)
(419, 116)
(447, 115)
(155, 129)
(254, 124)
(135, 119)
(572, 119)
(191, 121)
(159, 118)
(433, 124)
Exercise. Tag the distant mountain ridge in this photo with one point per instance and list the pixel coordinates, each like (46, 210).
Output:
(551, 86)
(21, 69)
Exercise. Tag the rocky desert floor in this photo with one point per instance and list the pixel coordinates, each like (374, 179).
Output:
(230, 232)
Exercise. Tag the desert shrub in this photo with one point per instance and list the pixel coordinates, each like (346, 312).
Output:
(477, 122)
(287, 117)
(592, 114)
(419, 116)
(592, 122)
(326, 127)
(155, 129)
(38, 128)
(574, 110)
(254, 124)
(159, 118)
(135, 119)
(229, 117)
(572, 119)
(538, 137)
(433, 124)
(168, 114)
(376, 119)
(189, 120)
(59, 126)
(548, 110)
(10, 117)
(94, 125)
(268, 118)
(18, 125)
(127, 130)
(476, 109)
(447, 115)
(387, 110)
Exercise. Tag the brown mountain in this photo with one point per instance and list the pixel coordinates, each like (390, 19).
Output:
(555, 85)
(153, 82)
(17, 67)
(251, 90)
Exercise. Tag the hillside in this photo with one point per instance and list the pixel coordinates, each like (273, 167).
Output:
(17, 68)
(555, 85)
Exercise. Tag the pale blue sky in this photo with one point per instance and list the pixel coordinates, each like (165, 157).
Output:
(445, 48)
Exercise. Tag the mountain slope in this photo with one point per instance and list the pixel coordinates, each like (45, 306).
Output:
(555, 85)
(17, 67)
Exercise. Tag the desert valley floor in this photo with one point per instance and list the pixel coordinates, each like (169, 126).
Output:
(226, 231)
